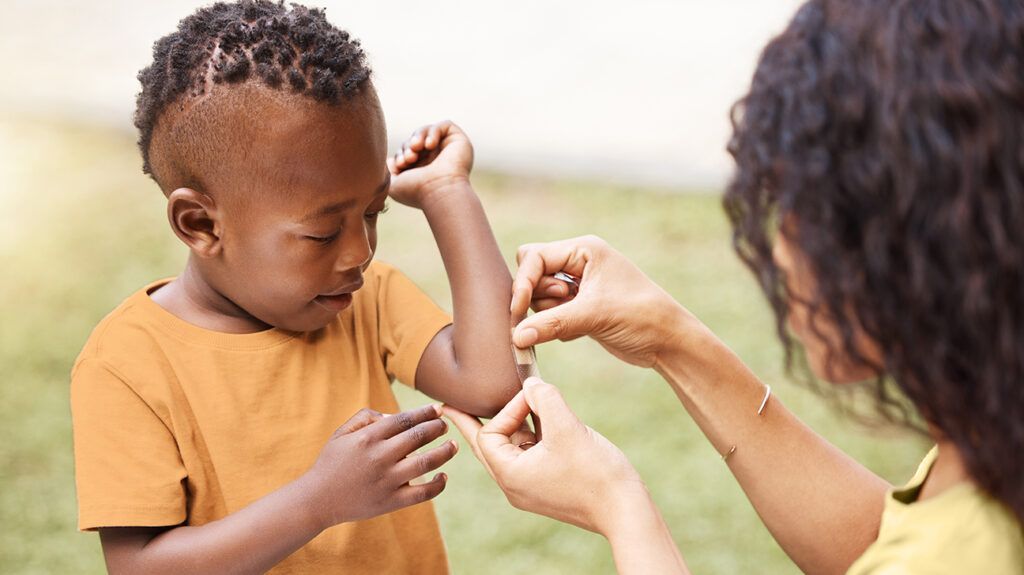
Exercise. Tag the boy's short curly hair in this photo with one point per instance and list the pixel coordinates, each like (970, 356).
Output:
(291, 49)
(891, 134)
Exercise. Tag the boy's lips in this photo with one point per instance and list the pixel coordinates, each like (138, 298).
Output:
(339, 299)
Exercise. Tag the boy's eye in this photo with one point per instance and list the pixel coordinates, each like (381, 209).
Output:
(372, 215)
(324, 239)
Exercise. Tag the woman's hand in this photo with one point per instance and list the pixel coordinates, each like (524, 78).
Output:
(572, 474)
(616, 304)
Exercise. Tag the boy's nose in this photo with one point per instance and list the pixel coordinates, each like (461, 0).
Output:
(356, 251)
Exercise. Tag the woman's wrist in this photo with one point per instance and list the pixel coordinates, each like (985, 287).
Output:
(628, 509)
(686, 345)
(639, 537)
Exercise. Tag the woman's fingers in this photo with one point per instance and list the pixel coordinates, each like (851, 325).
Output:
(547, 403)
(524, 437)
(495, 438)
(469, 426)
(539, 260)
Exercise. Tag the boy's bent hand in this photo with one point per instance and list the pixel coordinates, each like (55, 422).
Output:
(366, 466)
(430, 161)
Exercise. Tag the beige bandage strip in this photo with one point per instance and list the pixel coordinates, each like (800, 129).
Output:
(526, 359)
(526, 362)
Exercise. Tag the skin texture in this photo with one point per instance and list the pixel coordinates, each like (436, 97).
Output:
(778, 459)
(279, 237)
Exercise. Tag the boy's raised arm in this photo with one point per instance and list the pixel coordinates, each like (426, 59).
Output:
(468, 364)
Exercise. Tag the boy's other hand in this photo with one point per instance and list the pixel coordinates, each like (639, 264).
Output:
(365, 468)
(429, 162)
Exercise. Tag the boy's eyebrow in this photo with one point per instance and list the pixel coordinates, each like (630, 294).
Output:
(339, 207)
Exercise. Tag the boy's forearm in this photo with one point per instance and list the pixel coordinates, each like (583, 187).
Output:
(251, 540)
(479, 342)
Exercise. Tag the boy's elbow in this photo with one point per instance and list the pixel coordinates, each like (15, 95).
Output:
(489, 401)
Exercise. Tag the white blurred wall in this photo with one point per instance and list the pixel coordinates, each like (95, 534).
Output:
(629, 91)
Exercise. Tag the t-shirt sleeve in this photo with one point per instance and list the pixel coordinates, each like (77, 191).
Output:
(409, 320)
(128, 471)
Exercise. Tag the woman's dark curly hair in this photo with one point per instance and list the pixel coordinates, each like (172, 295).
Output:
(294, 49)
(891, 133)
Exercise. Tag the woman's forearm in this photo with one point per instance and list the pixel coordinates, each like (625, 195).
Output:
(640, 540)
(822, 507)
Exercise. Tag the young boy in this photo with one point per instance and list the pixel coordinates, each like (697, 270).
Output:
(206, 407)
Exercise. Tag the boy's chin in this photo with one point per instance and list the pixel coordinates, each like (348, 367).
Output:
(319, 319)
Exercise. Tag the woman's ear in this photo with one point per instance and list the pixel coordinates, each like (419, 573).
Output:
(195, 220)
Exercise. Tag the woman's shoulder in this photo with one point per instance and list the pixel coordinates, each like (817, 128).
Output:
(961, 530)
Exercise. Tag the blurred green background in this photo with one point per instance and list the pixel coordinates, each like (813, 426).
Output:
(82, 228)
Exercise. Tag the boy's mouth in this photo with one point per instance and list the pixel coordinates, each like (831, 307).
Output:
(338, 299)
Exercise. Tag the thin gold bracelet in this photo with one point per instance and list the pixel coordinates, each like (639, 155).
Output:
(760, 410)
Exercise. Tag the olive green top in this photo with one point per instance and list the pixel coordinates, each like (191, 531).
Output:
(959, 531)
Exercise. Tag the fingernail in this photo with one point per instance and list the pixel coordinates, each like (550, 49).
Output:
(438, 409)
(526, 337)
(531, 381)
(455, 446)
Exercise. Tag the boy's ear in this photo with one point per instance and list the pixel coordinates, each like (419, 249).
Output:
(195, 220)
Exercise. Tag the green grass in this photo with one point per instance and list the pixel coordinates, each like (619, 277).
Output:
(81, 228)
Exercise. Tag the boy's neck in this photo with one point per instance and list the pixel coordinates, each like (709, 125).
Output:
(191, 298)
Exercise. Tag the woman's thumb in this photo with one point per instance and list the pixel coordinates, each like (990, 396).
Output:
(561, 322)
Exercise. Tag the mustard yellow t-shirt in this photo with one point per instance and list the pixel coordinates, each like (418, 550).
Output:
(175, 424)
(961, 531)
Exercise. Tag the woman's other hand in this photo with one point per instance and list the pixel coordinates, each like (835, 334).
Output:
(572, 474)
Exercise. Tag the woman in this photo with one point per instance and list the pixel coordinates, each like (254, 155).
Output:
(879, 200)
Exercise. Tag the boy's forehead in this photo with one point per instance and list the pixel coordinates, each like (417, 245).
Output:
(294, 148)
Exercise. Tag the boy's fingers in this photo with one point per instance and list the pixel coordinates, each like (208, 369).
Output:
(433, 136)
(416, 437)
(361, 419)
(423, 463)
(411, 157)
(412, 494)
(416, 140)
(404, 421)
